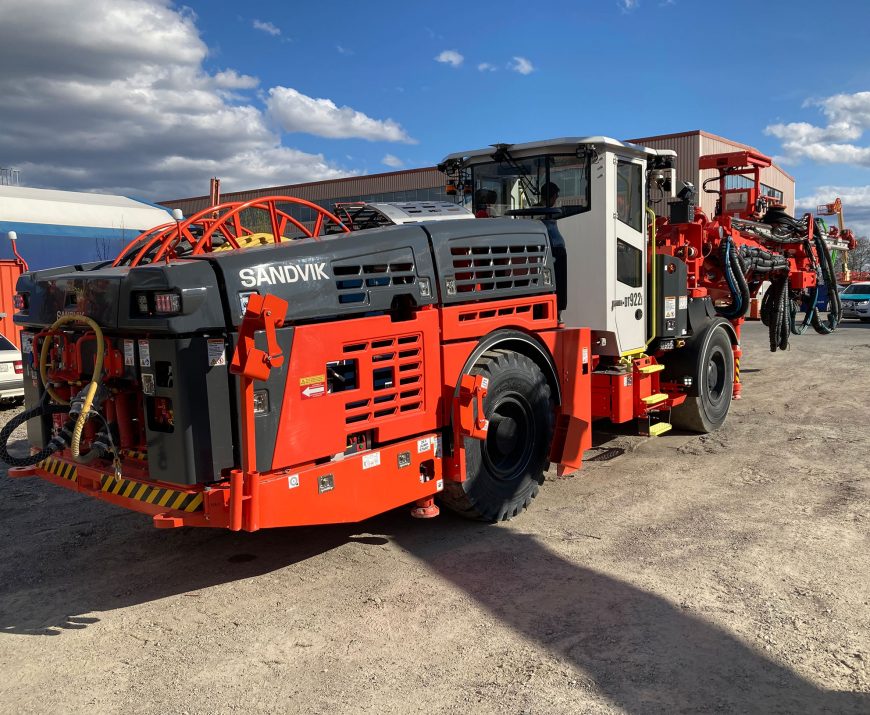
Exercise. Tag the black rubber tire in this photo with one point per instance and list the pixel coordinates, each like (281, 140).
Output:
(713, 375)
(504, 473)
(864, 320)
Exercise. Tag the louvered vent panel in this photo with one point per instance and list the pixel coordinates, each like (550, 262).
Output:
(487, 268)
(396, 365)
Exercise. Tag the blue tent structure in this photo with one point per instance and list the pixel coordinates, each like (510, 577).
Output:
(59, 228)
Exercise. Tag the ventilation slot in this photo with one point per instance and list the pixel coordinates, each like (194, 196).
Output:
(482, 269)
(396, 370)
(356, 282)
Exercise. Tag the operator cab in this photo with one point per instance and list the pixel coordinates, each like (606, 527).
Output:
(591, 194)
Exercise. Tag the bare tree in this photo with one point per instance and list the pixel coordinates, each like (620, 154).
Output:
(858, 259)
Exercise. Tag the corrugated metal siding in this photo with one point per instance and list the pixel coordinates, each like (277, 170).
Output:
(772, 176)
(687, 147)
(327, 192)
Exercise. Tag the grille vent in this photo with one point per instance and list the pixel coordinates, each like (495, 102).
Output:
(355, 281)
(486, 268)
(397, 378)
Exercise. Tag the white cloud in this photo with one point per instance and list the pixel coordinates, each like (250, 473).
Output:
(848, 117)
(521, 65)
(297, 112)
(486, 67)
(267, 27)
(134, 112)
(230, 79)
(856, 205)
(342, 50)
(392, 161)
(627, 5)
(450, 57)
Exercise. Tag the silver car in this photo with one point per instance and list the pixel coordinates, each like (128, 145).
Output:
(856, 301)
(11, 380)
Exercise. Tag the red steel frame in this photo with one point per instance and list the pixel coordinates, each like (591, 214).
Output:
(428, 359)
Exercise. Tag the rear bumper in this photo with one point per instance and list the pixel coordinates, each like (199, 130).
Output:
(11, 390)
(131, 491)
(351, 489)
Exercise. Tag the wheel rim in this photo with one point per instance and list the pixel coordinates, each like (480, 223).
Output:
(716, 377)
(510, 437)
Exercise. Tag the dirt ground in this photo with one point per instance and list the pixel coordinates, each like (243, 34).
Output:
(724, 573)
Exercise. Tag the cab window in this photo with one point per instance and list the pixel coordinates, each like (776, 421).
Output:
(629, 194)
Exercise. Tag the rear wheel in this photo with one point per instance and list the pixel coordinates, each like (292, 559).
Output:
(713, 379)
(505, 471)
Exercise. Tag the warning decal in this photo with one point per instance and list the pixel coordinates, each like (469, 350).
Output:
(312, 386)
(671, 306)
(144, 354)
(217, 355)
(129, 353)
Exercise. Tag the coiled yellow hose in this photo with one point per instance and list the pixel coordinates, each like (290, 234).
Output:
(92, 387)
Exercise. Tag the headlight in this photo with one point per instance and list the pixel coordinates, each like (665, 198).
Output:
(863, 302)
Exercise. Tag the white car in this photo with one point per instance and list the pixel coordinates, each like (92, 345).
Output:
(11, 380)
(856, 301)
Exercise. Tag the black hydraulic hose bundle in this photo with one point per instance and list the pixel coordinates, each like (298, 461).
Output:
(57, 442)
(734, 270)
(829, 277)
(776, 312)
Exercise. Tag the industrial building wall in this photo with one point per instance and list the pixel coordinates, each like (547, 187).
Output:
(425, 184)
(691, 146)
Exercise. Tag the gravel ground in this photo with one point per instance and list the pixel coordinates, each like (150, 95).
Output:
(723, 573)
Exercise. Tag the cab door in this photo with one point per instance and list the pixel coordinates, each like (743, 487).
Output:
(629, 266)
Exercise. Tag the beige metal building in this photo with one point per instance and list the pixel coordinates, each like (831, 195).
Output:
(427, 184)
(691, 146)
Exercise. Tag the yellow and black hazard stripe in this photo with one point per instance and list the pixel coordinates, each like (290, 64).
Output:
(59, 468)
(736, 369)
(169, 498)
(134, 454)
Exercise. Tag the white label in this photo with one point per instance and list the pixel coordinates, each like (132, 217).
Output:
(439, 485)
(217, 355)
(26, 343)
(144, 354)
(373, 459)
(484, 383)
(684, 302)
(424, 445)
(292, 481)
(436, 443)
(129, 353)
(670, 306)
(282, 274)
(585, 355)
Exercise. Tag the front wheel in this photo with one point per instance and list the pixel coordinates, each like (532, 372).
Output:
(505, 471)
(713, 380)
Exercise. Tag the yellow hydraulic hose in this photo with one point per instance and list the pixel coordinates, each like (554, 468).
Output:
(92, 387)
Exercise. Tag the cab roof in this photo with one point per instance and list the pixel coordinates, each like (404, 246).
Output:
(561, 145)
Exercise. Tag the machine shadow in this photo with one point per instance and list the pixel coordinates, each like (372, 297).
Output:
(60, 577)
(644, 653)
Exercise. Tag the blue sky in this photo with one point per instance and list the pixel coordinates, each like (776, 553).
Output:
(159, 95)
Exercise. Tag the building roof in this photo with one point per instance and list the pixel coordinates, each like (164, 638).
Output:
(47, 211)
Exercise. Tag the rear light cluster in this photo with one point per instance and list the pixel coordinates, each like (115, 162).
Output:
(145, 304)
(20, 301)
(19, 368)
